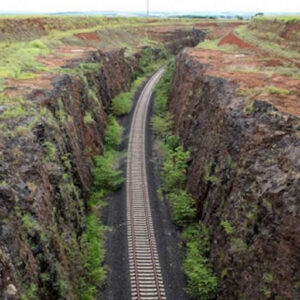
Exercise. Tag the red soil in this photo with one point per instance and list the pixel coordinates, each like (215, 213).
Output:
(232, 39)
(58, 58)
(88, 36)
(226, 65)
(217, 30)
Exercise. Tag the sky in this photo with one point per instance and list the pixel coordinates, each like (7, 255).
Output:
(155, 5)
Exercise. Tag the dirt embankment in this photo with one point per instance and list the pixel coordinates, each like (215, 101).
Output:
(244, 176)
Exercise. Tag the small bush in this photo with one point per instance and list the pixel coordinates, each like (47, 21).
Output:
(50, 151)
(113, 134)
(229, 229)
(198, 233)
(105, 174)
(162, 125)
(174, 169)
(202, 284)
(92, 242)
(182, 207)
(38, 44)
(121, 104)
(88, 119)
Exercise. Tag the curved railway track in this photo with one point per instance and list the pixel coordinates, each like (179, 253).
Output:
(145, 273)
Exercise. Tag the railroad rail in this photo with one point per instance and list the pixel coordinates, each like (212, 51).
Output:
(145, 272)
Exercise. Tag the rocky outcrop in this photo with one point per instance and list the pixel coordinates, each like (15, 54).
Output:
(45, 178)
(176, 39)
(244, 177)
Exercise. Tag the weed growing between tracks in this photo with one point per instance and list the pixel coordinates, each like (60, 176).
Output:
(202, 284)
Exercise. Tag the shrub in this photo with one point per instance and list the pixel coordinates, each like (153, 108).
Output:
(162, 90)
(174, 169)
(162, 125)
(121, 104)
(113, 134)
(202, 284)
(198, 233)
(38, 44)
(88, 119)
(229, 229)
(92, 242)
(182, 207)
(50, 151)
(105, 174)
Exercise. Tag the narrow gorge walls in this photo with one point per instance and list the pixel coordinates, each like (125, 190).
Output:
(244, 177)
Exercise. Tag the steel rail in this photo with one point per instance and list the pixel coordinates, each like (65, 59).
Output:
(145, 272)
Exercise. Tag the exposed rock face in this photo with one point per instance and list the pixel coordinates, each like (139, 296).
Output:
(45, 176)
(175, 40)
(244, 173)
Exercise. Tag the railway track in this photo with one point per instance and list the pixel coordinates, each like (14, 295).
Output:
(145, 273)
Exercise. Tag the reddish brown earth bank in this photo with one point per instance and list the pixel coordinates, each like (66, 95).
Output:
(244, 176)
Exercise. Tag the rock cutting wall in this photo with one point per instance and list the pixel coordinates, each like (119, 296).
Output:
(244, 177)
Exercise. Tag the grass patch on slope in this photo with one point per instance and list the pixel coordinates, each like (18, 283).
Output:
(18, 60)
(202, 284)
(213, 45)
(266, 40)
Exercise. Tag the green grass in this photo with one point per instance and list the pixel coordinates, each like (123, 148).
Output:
(18, 60)
(276, 91)
(285, 19)
(266, 40)
(213, 45)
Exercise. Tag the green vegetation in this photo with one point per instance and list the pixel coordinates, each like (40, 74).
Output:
(229, 229)
(214, 45)
(149, 63)
(50, 151)
(268, 277)
(106, 179)
(162, 125)
(268, 40)
(121, 104)
(284, 19)
(238, 245)
(105, 175)
(92, 242)
(18, 60)
(202, 284)
(88, 118)
(276, 91)
(113, 134)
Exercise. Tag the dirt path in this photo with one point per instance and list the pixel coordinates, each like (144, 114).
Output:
(167, 279)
